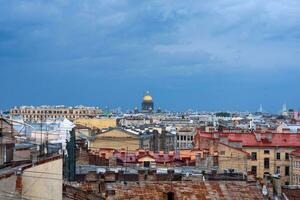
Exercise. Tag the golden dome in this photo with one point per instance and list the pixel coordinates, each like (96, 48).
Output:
(147, 98)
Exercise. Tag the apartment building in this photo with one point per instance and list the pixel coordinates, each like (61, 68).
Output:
(270, 152)
(185, 138)
(41, 113)
(295, 167)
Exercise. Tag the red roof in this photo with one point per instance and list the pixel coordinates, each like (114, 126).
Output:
(250, 140)
(296, 153)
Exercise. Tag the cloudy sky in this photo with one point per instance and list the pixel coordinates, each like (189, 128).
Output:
(201, 55)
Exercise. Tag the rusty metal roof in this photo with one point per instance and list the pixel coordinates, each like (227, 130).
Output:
(209, 190)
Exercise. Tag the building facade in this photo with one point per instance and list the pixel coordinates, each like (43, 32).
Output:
(295, 167)
(269, 152)
(95, 123)
(185, 138)
(7, 143)
(41, 113)
(155, 141)
(116, 139)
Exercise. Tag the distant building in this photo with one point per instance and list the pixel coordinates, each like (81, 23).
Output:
(41, 113)
(147, 104)
(295, 168)
(135, 120)
(185, 138)
(102, 123)
(155, 141)
(116, 139)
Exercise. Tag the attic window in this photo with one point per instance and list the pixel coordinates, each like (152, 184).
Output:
(266, 151)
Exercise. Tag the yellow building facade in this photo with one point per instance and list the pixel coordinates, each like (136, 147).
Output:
(270, 160)
(295, 168)
(116, 139)
(232, 158)
(102, 123)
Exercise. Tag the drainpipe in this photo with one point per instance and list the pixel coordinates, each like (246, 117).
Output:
(19, 184)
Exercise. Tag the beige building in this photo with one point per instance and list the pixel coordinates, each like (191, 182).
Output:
(185, 138)
(41, 180)
(116, 139)
(232, 158)
(102, 123)
(30, 113)
(223, 156)
(295, 167)
(270, 161)
(269, 152)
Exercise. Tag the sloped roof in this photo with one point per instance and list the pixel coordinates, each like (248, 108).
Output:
(188, 190)
(296, 153)
(250, 140)
(111, 133)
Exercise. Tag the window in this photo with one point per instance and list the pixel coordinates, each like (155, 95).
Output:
(254, 170)
(222, 152)
(177, 137)
(286, 183)
(287, 170)
(266, 163)
(181, 137)
(266, 151)
(287, 156)
(192, 137)
(277, 170)
(253, 156)
(278, 156)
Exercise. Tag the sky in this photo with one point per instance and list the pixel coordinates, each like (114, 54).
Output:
(201, 55)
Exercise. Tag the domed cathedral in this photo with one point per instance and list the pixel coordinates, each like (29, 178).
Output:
(147, 104)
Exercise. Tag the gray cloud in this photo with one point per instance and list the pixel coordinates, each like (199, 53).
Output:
(141, 37)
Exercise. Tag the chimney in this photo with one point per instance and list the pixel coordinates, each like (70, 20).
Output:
(258, 130)
(103, 155)
(269, 137)
(258, 136)
(216, 135)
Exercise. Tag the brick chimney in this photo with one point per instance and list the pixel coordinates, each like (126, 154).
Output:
(258, 136)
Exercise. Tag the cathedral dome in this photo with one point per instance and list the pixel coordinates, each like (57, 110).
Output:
(147, 98)
(147, 104)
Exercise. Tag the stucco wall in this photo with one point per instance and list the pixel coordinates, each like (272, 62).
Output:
(43, 181)
(231, 158)
(97, 123)
(8, 187)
